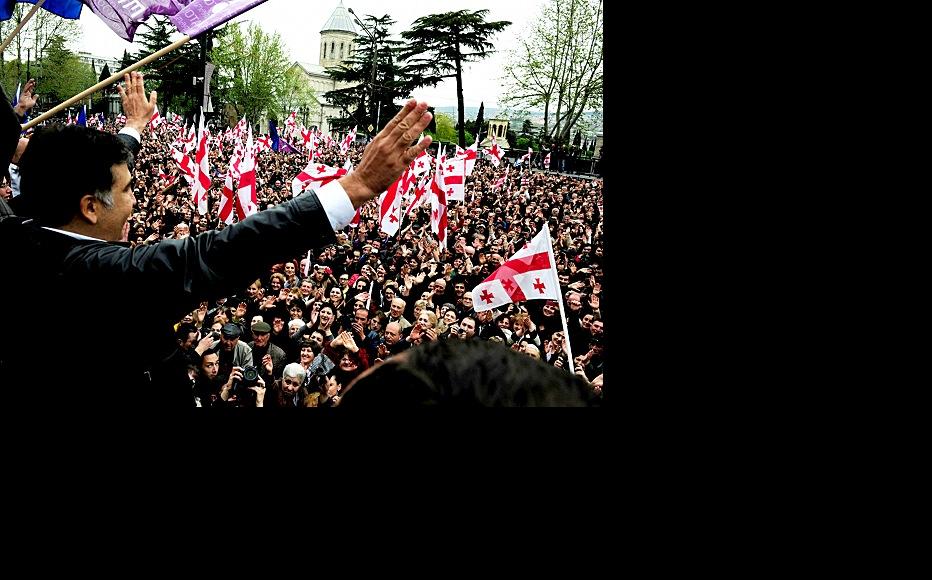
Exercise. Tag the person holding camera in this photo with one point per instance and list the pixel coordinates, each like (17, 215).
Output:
(244, 388)
(233, 351)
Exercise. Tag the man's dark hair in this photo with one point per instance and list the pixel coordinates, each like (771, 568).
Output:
(82, 159)
(467, 374)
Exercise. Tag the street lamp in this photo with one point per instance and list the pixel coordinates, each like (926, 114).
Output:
(375, 54)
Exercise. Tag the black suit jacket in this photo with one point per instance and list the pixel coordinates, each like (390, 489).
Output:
(117, 305)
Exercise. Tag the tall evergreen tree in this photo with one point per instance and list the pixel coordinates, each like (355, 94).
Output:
(393, 81)
(436, 45)
(477, 128)
(172, 74)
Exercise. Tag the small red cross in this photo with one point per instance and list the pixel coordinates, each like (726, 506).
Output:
(321, 168)
(450, 191)
(436, 214)
(449, 168)
(486, 296)
(508, 284)
(393, 219)
(420, 164)
(539, 286)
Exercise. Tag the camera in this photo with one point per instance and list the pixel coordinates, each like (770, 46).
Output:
(250, 379)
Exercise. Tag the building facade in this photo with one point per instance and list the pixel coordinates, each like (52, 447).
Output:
(337, 45)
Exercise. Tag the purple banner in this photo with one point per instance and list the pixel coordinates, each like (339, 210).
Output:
(190, 17)
(201, 15)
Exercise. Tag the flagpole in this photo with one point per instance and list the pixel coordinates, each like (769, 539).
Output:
(22, 23)
(566, 332)
(106, 82)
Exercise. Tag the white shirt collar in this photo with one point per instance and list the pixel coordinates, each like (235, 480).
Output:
(73, 235)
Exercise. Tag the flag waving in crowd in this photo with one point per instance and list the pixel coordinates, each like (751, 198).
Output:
(530, 274)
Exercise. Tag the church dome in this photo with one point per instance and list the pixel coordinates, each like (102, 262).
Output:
(340, 20)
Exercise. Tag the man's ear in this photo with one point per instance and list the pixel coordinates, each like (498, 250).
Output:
(90, 208)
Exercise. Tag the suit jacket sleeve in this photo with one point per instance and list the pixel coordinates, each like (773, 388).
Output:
(9, 131)
(177, 274)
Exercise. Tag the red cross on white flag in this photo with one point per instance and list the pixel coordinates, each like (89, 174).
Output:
(202, 179)
(530, 274)
(495, 153)
(315, 176)
(246, 201)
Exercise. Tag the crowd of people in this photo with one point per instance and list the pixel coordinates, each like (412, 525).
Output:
(302, 330)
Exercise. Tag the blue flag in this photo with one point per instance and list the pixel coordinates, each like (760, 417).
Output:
(273, 132)
(82, 116)
(65, 8)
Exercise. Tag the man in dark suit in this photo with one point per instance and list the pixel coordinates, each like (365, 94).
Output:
(78, 187)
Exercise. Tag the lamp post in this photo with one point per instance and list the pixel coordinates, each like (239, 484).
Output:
(375, 55)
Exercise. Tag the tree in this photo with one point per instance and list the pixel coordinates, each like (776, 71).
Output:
(250, 66)
(126, 60)
(526, 127)
(480, 120)
(559, 65)
(436, 44)
(64, 74)
(33, 41)
(172, 74)
(445, 128)
(104, 73)
(294, 93)
(394, 80)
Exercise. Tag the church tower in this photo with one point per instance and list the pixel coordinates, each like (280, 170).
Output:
(337, 38)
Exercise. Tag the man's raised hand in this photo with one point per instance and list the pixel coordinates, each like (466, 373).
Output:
(137, 108)
(387, 156)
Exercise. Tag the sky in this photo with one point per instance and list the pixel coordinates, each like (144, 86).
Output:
(299, 22)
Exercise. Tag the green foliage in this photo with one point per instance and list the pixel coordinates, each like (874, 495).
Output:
(172, 74)
(445, 128)
(294, 93)
(63, 74)
(250, 67)
(439, 44)
(526, 127)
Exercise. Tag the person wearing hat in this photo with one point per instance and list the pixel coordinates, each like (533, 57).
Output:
(233, 351)
(266, 356)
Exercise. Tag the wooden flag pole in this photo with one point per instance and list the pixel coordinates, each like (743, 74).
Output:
(106, 82)
(22, 23)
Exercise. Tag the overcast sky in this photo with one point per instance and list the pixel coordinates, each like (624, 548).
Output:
(299, 23)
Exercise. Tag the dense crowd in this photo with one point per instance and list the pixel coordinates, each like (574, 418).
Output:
(307, 327)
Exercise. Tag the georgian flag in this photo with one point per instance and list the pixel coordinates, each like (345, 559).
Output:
(471, 154)
(495, 153)
(191, 141)
(226, 199)
(246, 201)
(501, 182)
(438, 208)
(356, 218)
(201, 171)
(454, 179)
(526, 156)
(156, 119)
(421, 163)
(184, 164)
(547, 161)
(263, 143)
(291, 123)
(419, 197)
(348, 141)
(390, 204)
(314, 176)
(528, 275)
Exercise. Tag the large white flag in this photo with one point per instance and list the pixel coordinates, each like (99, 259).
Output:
(246, 201)
(528, 275)
(201, 170)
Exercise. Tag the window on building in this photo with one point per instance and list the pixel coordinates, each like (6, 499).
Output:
(332, 51)
(323, 50)
(341, 51)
